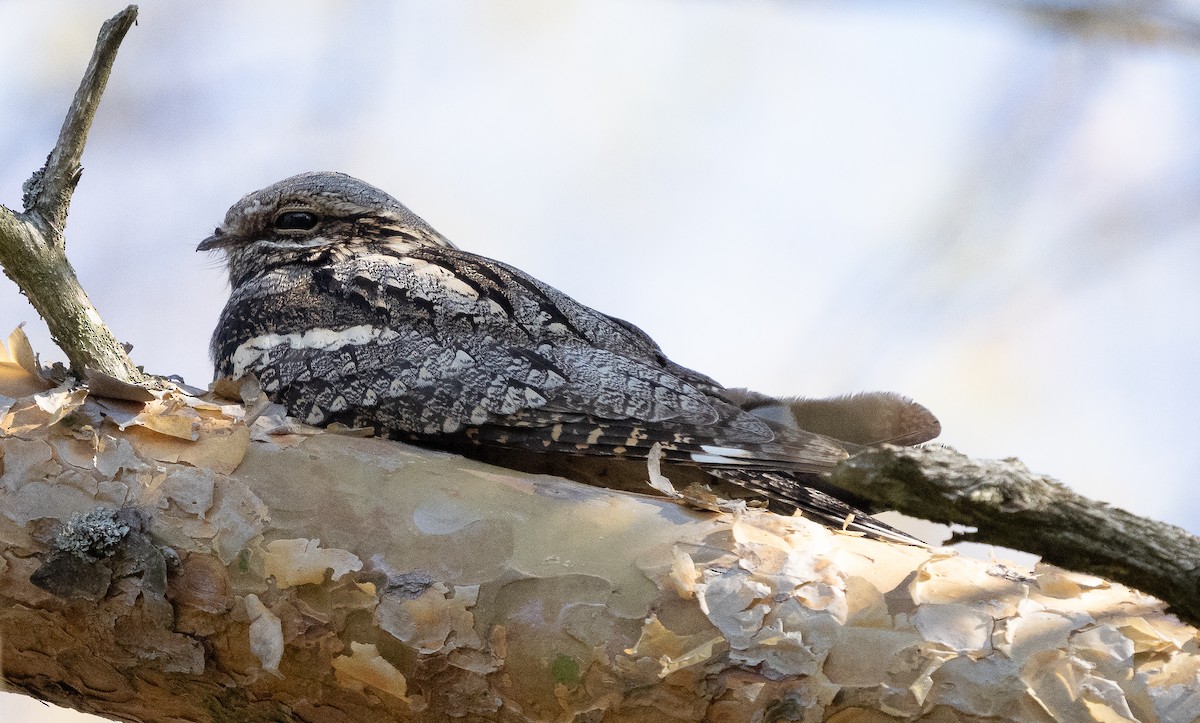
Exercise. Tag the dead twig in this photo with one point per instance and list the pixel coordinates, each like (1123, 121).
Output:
(32, 244)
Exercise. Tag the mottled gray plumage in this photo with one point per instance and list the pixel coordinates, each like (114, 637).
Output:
(349, 308)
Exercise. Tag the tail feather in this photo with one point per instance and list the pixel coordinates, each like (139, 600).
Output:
(797, 491)
(800, 451)
(789, 475)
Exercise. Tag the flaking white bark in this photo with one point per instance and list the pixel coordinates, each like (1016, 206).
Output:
(213, 570)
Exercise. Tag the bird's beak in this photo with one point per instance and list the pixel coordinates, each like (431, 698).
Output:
(218, 240)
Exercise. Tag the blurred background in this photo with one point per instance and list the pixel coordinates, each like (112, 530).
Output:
(989, 206)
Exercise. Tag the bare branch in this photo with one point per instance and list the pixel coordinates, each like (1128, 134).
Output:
(48, 192)
(32, 245)
(280, 572)
(1161, 23)
(1014, 508)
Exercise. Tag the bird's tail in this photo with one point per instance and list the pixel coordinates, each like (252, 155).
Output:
(800, 490)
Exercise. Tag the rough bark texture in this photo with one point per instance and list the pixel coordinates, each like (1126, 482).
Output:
(165, 561)
(1010, 506)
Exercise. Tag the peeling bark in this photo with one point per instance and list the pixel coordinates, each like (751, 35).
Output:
(148, 573)
(1009, 505)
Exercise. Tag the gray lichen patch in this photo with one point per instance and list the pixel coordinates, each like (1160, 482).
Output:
(94, 535)
(93, 549)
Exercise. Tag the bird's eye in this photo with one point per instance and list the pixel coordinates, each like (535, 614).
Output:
(296, 220)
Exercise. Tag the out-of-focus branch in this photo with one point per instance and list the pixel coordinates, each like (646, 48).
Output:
(1137, 22)
(1010, 506)
(32, 244)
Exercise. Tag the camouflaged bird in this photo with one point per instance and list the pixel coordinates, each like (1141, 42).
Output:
(351, 309)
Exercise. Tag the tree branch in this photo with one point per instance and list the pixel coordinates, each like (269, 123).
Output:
(32, 243)
(167, 561)
(48, 192)
(1161, 23)
(1014, 508)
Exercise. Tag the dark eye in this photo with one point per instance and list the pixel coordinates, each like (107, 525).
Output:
(299, 220)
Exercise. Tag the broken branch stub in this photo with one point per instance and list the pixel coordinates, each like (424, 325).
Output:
(32, 244)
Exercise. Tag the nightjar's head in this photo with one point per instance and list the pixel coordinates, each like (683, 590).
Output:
(310, 219)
